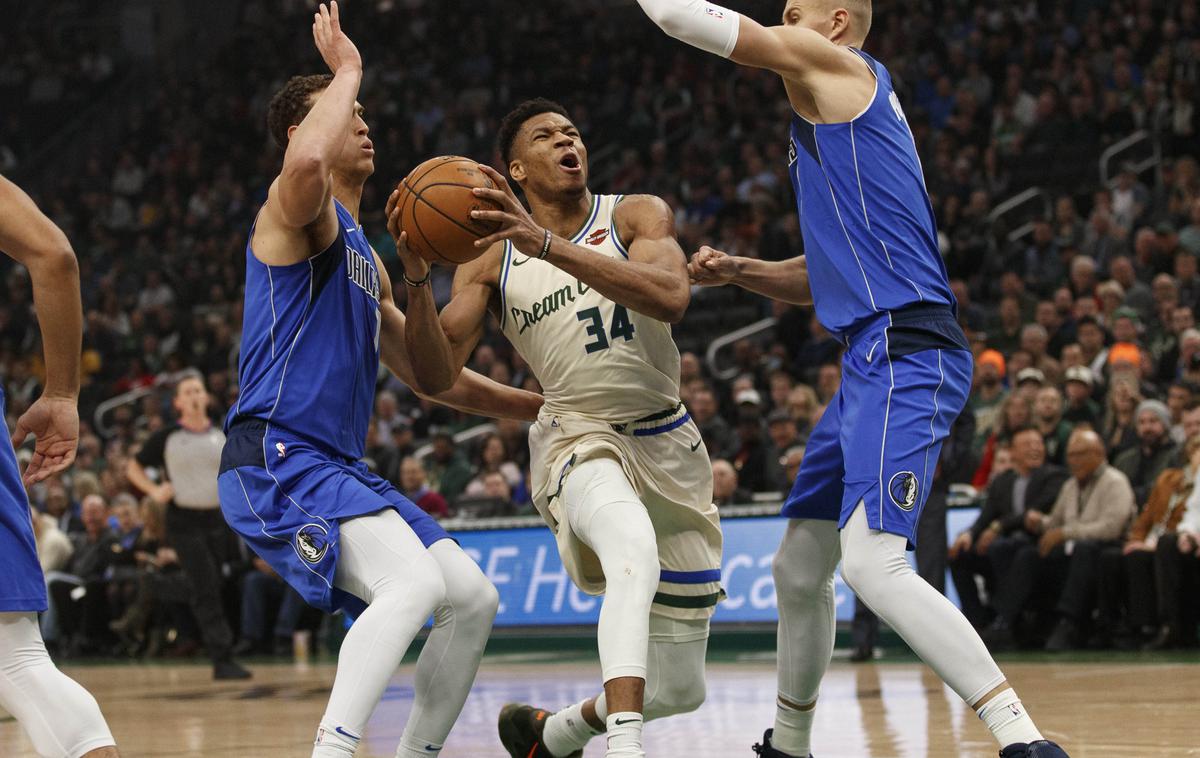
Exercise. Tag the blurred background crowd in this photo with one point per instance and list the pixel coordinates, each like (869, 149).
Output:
(1060, 142)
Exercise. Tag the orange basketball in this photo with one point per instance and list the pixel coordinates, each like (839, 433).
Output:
(435, 209)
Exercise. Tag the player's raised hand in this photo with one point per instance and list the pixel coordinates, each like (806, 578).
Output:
(54, 421)
(416, 268)
(333, 44)
(711, 268)
(515, 222)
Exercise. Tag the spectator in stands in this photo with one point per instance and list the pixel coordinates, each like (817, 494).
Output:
(493, 456)
(1127, 577)
(987, 548)
(263, 591)
(1177, 569)
(725, 485)
(83, 617)
(1120, 416)
(781, 428)
(988, 394)
(1179, 396)
(448, 470)
(54, 547)
(1138, 296)
(1048, 418)
(1153, 452)
(415, 488)
(381, 459)
(1091, 512)
(1090, 335)
(714, 429)
(1016, 413)
(802, 404)
(752, 455)
(495, 487)
(1081, 408)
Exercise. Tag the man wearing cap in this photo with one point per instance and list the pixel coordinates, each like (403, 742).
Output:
(754, 457)
(988, 395)
(1154, 452)
(1081, 408)
(1029, 381)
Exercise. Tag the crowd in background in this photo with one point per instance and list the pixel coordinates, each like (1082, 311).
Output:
(1087, 321)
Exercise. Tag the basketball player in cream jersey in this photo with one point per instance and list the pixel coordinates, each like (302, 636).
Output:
(585, 287)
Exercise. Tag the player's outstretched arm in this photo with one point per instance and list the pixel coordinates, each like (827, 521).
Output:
(793, 52)
(33, 240)
(786, 281)
(470, 392)
(652, 282)
(305, 183)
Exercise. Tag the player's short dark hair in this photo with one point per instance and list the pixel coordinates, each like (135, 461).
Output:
(516, 118)
(291, 104)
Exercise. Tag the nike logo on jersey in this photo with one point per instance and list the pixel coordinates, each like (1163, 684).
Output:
(871, 352)
(696, 446)
(352, 231)
(521, 262)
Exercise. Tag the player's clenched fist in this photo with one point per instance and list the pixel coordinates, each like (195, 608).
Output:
(711, 268)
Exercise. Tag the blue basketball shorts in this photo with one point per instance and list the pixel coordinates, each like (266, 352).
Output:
(285, 496)
(22, 586)
(878, 442)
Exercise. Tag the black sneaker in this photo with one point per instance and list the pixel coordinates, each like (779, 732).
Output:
(1038, 749)
(229, 669)
(521, 728)
(765, 750)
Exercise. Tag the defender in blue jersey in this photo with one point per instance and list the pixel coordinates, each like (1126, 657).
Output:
(319, 318)
(59, 716)
(874, 274)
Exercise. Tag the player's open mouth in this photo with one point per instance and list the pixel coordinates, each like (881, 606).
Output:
(570, 163)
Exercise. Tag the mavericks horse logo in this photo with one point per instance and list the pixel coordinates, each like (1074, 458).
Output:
(903, 490)
(312, 542)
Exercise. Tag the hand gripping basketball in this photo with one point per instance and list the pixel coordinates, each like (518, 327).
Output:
(416, 268)
(515, 222)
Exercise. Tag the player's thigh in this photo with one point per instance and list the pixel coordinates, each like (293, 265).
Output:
(896, 417)
(381, 552)
(817, 491)
(601, 504)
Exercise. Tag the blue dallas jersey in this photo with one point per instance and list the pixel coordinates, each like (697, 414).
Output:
(310, 343)
(869, 231)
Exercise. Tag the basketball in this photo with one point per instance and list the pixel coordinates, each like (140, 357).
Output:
(435, 209)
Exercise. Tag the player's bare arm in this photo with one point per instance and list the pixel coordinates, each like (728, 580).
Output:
(435, 371)
(786, 281)
(826, 82)
(470, 392)
(33, 240)
(298, 219)
(652, 282)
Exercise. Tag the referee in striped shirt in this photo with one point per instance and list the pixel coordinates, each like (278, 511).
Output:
(188, 455)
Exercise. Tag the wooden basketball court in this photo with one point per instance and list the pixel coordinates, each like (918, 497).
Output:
(883, 710)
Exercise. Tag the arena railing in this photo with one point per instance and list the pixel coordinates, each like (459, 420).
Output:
(1122, 152)
(712, 355)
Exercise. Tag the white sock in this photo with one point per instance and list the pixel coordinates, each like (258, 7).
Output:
(624, 735)
(567, 730)
(1007, 719)
(793, 729)
(411, 748)
(331, 743)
